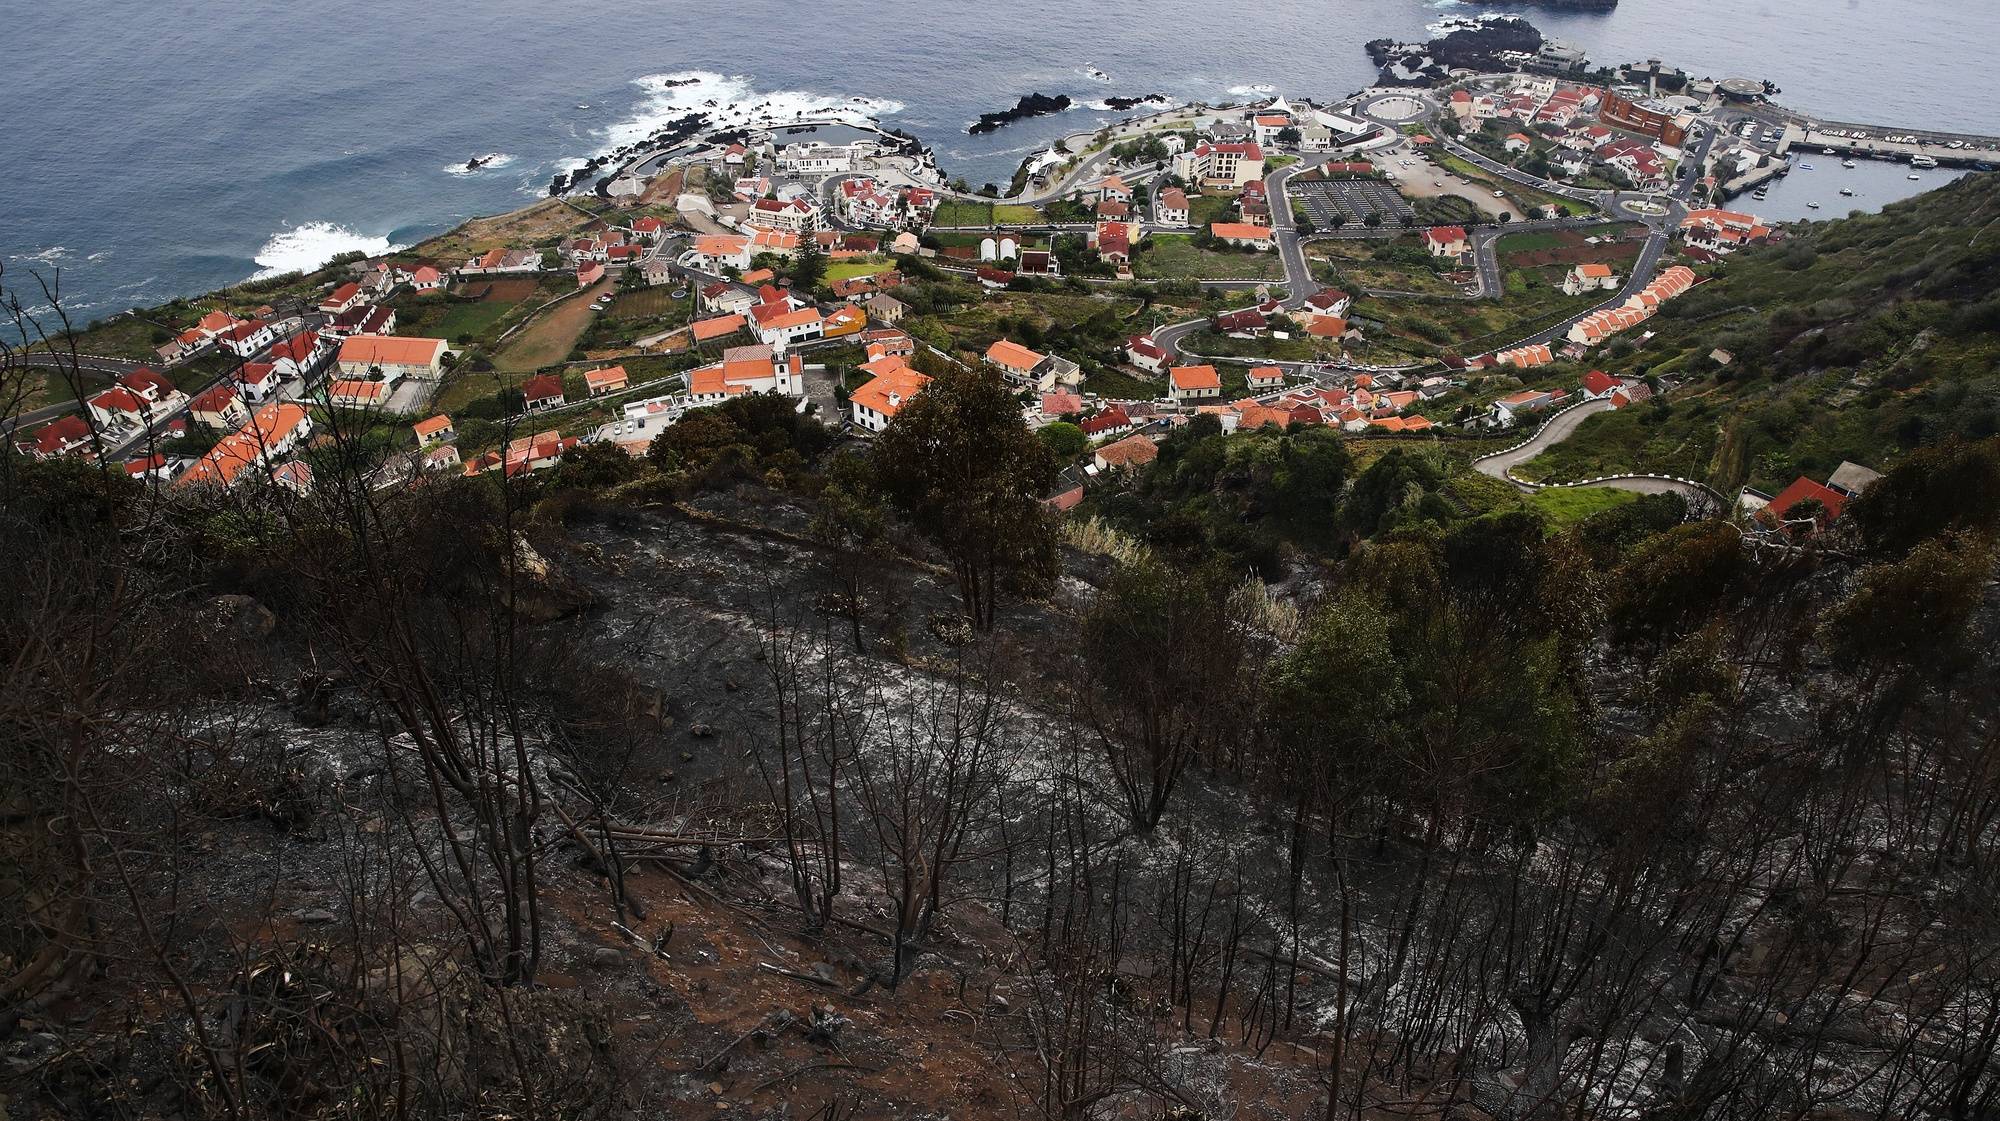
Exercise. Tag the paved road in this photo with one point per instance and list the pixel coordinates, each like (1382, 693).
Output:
(1554, 431)
(1500, 465)
(1299, 282)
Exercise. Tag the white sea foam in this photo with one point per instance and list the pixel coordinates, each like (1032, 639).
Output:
(1094, 74)
(306, 247)
(491, 161)
(1247, 91)
(52, 255)
(734, 102)
(1438, 29)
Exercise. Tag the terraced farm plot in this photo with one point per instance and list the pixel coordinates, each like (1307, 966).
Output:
(552, 335)
(644, 303)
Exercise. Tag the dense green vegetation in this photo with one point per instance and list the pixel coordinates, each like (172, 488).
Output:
(1859, 339)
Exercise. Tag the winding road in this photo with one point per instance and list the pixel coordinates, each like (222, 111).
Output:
(1500, 465)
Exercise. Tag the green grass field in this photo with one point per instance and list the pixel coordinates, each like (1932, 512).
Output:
(1634, 439)
(1175, 257)
(848, 270)
(959, 212)
(1527, 243)
(1206, 209)
(470, 318)
(1297, 348)
(1569, 505)
(645, 303)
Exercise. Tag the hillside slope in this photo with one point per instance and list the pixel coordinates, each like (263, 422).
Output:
(1859, 338)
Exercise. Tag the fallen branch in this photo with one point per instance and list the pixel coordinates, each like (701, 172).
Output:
(797, 976)
(604, 865)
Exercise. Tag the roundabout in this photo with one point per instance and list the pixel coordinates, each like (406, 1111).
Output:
(1396, 108)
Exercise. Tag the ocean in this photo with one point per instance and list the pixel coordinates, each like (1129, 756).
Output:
(169, 148)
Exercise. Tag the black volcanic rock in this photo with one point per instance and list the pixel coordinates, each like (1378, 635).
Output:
(1121, 104)
(1033, 105)
(1473, 44)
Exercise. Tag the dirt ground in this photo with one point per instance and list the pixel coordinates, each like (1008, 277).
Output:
(664, 189)
(1421, 178)
(552, 335)
(511, 290)
(531, 225)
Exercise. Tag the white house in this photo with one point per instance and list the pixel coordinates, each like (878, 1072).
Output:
(246, 338)
(1590, 278)
(815, 158)
(1144, 353)
(779, 324)
(799, 216)
(1194, 383)
(744, 370)
(1446, 241)
(875, 404)
(1222, 166)
(714, 252)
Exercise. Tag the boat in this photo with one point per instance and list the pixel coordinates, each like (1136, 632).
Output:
(1918, 178)
(1827, 151)
(1761, 194)
(1812, 206)
(1847, 163)
(1805, 167)
(1921, 160)
(1847, 192)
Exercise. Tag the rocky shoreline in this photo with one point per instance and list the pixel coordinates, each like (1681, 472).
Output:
(677, 131)
(1479, 44)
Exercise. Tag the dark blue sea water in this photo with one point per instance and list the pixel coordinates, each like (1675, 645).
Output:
(164, 147)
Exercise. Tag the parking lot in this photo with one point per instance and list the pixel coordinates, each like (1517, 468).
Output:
(1351, 201)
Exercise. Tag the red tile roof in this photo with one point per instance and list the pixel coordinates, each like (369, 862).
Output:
(1195, 377)
(541, 387)
(1109, 420)
(1801, 489)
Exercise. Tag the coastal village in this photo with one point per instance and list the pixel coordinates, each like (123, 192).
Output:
(1456, 262)
(1450, 601)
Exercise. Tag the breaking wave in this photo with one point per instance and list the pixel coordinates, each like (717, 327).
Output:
(307, 247)
(733, 101)
(491, 161)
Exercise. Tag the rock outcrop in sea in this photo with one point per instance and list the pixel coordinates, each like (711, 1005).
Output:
(1482, 43)
(1033, 105)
